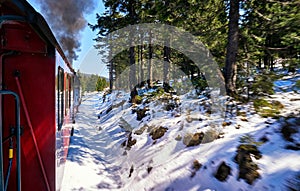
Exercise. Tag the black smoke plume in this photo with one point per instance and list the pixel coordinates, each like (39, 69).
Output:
(66, 18)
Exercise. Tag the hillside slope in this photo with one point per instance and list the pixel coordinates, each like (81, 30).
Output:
(183, 143)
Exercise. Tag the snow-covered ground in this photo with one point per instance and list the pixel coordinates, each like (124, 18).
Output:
(98, 161)
(90, 164)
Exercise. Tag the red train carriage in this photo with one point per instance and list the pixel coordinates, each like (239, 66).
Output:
(35, 131)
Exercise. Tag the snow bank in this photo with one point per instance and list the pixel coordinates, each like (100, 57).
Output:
(97, 161)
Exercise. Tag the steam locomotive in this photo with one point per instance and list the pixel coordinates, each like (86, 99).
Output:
(39, 95)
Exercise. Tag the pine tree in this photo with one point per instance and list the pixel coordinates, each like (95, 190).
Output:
(270, 31)
(232, 49)
(101, 84)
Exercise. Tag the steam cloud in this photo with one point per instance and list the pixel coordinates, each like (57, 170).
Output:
(66, 19)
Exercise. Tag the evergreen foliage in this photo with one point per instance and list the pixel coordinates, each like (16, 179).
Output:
(256, 34)
(91, 82)
(101, 84)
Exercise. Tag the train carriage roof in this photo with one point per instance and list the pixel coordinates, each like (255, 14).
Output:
(25, 12)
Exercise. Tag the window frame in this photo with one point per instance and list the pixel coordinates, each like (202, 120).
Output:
(60, 97)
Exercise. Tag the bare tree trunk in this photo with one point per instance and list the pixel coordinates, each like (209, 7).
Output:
(111, 66)
(132, 72)
(150, 74)
(232, 48)
(166, 62)
(141, 60)
(111, 77)
(138, 64)
(272, 63)
(132, 77)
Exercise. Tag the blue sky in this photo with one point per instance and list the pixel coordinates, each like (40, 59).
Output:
(88, 59)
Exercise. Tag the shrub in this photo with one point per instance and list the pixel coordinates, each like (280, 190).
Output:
(292, 65)
(260, 103)
(199, 83)
(266, 108)
(264, 83)
(137, 99)
(297, 85)
(159, 92)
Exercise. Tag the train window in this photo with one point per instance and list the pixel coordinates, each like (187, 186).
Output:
(60, 98)
(67, 95)
(70, 90)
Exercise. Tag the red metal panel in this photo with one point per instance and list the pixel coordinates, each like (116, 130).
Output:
(37, 81)
(20, 37)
